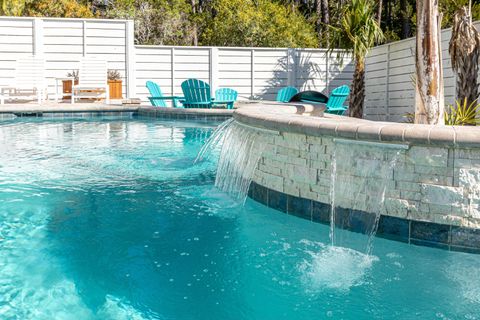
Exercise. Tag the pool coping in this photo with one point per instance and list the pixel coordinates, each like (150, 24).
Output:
(283, 119)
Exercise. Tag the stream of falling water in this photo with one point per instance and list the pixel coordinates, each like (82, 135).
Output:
(359, 181)
(239, 156)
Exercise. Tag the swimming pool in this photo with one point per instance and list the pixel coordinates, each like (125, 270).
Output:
(111, 219)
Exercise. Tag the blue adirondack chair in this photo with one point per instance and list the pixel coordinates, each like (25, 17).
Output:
(225, 96)
(157, 99)
(336, 100)
(197, 94)
(285, 94)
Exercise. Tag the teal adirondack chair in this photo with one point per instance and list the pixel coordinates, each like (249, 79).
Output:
(157, 99)
(285, 94)
(336, 100)
(225, 96)
(197, 94)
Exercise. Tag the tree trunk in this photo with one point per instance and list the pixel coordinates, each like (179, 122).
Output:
(323, 19)
(379, 12)
(195, 28)
(429, 100)
(405, 21)
(465, 54)
(357, 95)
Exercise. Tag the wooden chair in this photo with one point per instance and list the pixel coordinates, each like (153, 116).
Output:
(29, 81)
(285, 94)
(157, 99)
(197, 94)
(225, 96)
(336, 100)
(92, 83)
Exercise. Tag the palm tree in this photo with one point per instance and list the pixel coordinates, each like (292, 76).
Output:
(429, 100)
(465, 54)
(357, 32)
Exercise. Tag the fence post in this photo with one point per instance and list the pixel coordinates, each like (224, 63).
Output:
(387, 86)
(291, 67)
(172, 70)
(37, 46)
(130, 58)
(84, 38)
(213, 68)
(327, 72)
(252, 74)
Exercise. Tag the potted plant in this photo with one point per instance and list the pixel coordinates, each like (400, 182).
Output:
(67, 84)
(114, 84)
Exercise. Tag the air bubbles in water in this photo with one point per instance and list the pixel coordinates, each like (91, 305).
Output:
(335, 268)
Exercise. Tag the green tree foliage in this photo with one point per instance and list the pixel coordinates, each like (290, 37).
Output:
(257, 23)
(274, 23)
(161, 22)
(357, 31)
(57, 8)
(45, 8)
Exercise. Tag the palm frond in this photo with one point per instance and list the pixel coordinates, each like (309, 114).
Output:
(463, 114)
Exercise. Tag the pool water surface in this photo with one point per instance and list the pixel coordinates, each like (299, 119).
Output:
(111, 219)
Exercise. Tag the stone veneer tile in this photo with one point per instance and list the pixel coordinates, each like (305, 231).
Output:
(432, 232)
(465, 237)
(394, 228)
(299, 207)
(277, 200)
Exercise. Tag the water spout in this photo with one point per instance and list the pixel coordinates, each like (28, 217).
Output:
(239, 156)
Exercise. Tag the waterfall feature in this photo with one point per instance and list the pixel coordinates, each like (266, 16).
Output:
(239, 156)
(361, 174)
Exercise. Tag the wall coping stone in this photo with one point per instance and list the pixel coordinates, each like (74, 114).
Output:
(292, 118)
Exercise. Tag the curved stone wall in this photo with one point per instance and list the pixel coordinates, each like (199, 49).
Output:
(430, 175)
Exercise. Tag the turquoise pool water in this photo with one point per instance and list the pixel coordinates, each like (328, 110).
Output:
(111, 219)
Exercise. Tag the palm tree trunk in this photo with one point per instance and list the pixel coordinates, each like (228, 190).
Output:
(379, 12)
(357, 95)
(405, 21)
(465, 54)
(323, 19)
(195, 28)
(429, 102)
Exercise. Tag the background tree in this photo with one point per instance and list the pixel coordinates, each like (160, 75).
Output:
(465, 54)
(58, 8)
(256, 23)
(429, 99)
(12, 7)
(158, 22)
(357, 32)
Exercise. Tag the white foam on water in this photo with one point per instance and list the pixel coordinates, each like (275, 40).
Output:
(335, 268)
(118, 309)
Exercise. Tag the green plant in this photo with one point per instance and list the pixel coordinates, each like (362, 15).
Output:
(74, 74)
(409, 117)
(463, 114)
(113, 75)
(356, 32)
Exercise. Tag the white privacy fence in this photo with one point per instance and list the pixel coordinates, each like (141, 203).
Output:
(390, 91)
(256, 73)
(63, 42)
